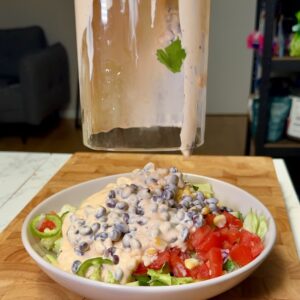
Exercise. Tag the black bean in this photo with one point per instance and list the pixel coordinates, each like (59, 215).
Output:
(224, 208)
(111, 203)
(170, 187)
(172, 203)
(155, 198)
(104, 226)
(167, 194)
(126, 192)
(75, 266)
(126, 218)
(112, 194)
(101, 236)
(80, 222)
(184, 233)
(211, 201)
(85, 230)
(139, 211)
(111, 251)
(101, 211)
(186, 203)
(173, 240)
(191, 214)
(123, 228)
(142, 221)
(134, 188)
(213, 207)
(150, 181)
(126, 241)
(198, 203)
(95, 227)
(200, 196)
(173, 170)
(122, 205)
(173, 179)
(115, 259)
(83, 247)
(115, 235)
(135, 244)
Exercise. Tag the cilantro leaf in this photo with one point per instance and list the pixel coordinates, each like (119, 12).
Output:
(172, 56)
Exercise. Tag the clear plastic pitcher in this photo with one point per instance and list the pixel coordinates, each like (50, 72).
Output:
(143, 73)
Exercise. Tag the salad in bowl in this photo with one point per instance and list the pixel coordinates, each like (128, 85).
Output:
(152, 227)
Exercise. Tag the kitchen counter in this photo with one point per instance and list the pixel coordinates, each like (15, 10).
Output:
(23, 175)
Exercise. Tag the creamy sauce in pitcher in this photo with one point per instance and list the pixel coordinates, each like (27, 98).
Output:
(193, 19)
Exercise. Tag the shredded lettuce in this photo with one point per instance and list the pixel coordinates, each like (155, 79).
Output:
(205, 188)
(256, 224)
(262, 226)
(51, 259)
(159, 278)
(65, 209)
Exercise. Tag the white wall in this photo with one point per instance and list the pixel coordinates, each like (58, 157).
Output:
(57, 18)
(229, 60)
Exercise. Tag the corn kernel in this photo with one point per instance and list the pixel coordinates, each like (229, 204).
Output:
(151, 251)
(205, 210)
(220, 221)
(191, 263)
(159, 243)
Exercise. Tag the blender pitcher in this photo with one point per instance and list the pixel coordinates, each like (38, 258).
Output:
(143, 73)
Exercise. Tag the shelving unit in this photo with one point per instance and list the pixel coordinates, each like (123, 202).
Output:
(285, 147)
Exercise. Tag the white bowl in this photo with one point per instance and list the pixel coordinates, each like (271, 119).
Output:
(230, 195)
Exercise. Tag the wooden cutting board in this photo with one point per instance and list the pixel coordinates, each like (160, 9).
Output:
(277, 278)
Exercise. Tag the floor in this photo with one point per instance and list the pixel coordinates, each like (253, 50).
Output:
(225, 135)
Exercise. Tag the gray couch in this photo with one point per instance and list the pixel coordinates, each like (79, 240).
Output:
(34, 77)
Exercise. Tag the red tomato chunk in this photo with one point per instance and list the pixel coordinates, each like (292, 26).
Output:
(207, 242)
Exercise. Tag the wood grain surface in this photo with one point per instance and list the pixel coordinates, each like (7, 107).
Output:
(277, 278)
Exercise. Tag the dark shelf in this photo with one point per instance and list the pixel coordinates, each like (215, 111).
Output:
(270, 64)
(286, 64)
(284, 147)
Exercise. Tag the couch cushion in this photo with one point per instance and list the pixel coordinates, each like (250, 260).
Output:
(6, 81)
(16, 43)
(10, 99)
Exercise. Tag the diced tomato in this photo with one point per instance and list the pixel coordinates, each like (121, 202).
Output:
(241, 254)
(231, 235)
(232, 221)
(252, 241)
(46, 224)
(140, 270)
(212, 239)
(200, 272)
(209, 220)
(177, 263)
(215, 262)
(198, 236)
(226, 245)
(162, 258)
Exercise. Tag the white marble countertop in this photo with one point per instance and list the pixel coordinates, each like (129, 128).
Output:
(23, 174)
